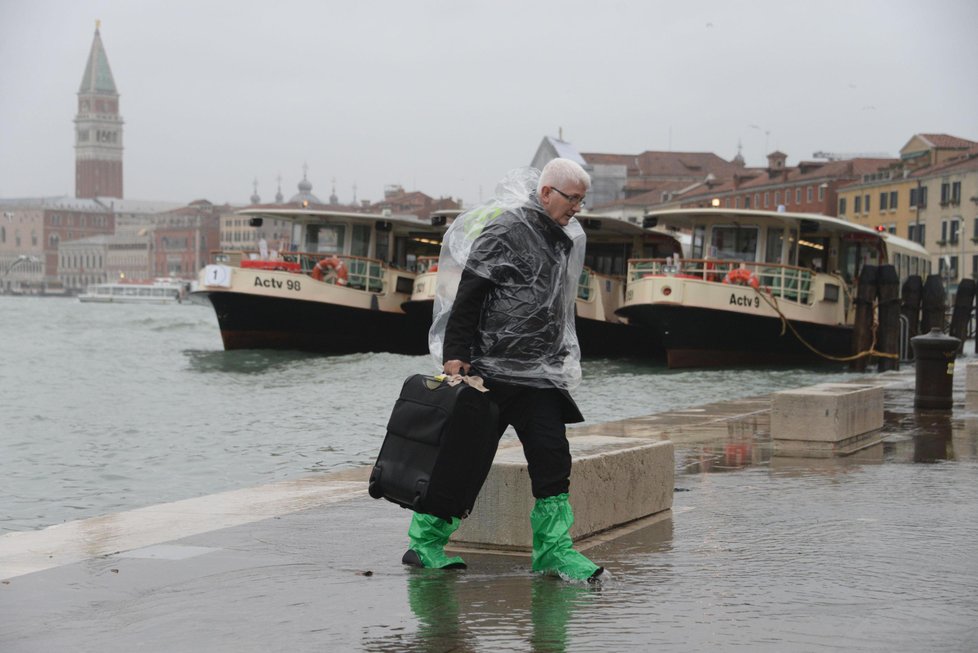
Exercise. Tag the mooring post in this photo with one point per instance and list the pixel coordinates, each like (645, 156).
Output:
(862, 328)
(888, 335)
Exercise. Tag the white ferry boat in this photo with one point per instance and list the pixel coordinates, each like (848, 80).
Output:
(158, 291)
(336, 286)
(759, 287)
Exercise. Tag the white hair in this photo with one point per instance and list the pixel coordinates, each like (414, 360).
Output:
(561, 172)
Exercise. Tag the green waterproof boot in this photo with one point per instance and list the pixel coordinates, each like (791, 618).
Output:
(428, 536)
(551, 520)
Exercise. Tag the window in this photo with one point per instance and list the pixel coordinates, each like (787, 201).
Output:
(956, 192)
(842, 206)
(912, 232)
(949, 272)
(775, 243)
(767, 197)
(893, 200)
(361, 240)
(787, 197)
(738, 243)
(797, 196)
(943, 239)
(954, 230)
(866, 202)
(757, 200)
(746, 201)
(883, 201)
(777, 197)
(857, 205)
(945, 193)
(821, 193)
(810, 195)
(913, 197)
(974, 267)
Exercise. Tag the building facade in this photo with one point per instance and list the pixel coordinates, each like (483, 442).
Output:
(98, 129)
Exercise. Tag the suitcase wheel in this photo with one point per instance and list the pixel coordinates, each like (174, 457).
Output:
(373, 486)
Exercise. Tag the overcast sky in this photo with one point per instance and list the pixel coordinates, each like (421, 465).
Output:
(444, 96)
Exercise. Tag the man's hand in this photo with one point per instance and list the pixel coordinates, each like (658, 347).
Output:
(456, 367)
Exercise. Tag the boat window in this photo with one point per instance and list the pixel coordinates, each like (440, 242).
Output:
(360, 245)
(775, 245)
(813, 253)
(734, 243)
(698, 238)
(325, 238)
(383, 246)
(792, 247)
(612, 258)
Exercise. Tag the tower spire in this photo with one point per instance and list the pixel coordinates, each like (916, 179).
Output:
(98, 128)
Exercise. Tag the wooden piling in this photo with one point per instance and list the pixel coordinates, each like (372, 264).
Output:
(913, 289)
(862, 329)
(888, 332)
(934, 304)
(964, 302)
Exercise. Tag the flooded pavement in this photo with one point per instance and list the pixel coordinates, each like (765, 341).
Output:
(873, 552)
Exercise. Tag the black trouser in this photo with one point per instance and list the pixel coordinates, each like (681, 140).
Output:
(537, 415)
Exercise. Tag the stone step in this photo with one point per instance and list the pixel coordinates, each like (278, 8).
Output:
(828, 419)
(615, 481)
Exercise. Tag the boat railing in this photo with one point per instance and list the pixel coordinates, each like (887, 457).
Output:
(784, 282)
(362, 273)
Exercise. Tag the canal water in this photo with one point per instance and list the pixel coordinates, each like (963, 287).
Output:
(106, 408)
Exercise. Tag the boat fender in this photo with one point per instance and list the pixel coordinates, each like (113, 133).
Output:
(332, 263)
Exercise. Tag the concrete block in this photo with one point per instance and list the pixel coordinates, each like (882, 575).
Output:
(971, 377)
(613, 482)
(826, 419)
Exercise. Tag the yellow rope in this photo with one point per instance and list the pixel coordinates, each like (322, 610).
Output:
(785, 323)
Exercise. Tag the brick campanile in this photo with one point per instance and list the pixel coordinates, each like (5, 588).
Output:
(98, 129)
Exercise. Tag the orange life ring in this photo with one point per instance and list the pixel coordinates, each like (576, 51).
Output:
(742, 277)
(433, 267)
(332, 263)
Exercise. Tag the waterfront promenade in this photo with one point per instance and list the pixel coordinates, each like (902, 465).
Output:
(872, 552)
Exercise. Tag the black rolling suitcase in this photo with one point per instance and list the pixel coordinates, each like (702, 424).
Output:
(440, 443)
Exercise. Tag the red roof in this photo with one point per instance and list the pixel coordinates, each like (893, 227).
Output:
(946, 141)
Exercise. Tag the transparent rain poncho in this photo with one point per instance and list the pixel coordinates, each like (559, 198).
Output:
(526, 333)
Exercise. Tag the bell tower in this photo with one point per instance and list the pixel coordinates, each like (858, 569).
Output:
(98, 129)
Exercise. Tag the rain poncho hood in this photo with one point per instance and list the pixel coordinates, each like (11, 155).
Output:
(526, 334)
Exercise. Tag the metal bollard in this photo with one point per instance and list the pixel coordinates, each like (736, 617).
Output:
(935, 354)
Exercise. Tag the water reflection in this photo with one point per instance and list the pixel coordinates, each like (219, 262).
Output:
(552, 605)
(433, 598)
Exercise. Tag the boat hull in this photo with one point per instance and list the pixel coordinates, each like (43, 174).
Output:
(704, 337)
(253, 321)
(598, 338)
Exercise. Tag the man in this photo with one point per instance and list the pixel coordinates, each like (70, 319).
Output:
(512, 322)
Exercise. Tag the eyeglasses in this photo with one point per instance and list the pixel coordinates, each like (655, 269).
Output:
(573, 199)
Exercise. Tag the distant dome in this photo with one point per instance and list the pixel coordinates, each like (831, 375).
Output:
(305, 192)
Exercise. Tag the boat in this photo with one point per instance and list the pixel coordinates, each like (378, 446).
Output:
(335, 285)
(611, 242)
(758, 287)
(162, 290)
